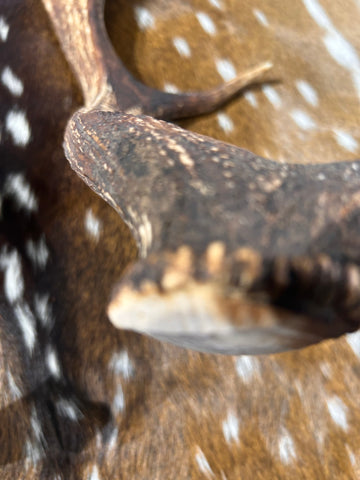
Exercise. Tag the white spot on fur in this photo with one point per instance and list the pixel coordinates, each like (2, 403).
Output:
(36, 426)
(302, 119)
(170, 88)
(12, 82)
(182, 46)
(27, 324)
(216, 4)
(14, 389)
(93, 225)
(308, 92)
(118, 403)
(99, 439)
(94, 474)
(113, 439)
(325, 369)
(272, 95)
(338, 47)
(17, 126)
(230, 428)
(261, 17)
(345, 55)
(286, 448)
(52, 362)
(206, 23)
(144, 18)
(338, 412)
(38, 252)
(251, 98)
(13, 280)
(4, 29)
(346, 141)
(247, 367)
(318, 14)
(353, 339)
(226, 69)
(225, 122)
(121, 364)
(17, 187)
(351, 455)
(34, 447)
(33, 451)
(67, 408)
(43, 309)
(203, 463)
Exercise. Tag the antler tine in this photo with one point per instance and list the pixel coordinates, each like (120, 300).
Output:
(105, 81)
(235, 250)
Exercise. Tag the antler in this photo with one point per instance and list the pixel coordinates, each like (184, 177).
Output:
(238, 254)
(105, 82)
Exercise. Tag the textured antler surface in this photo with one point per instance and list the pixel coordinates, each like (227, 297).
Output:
(228, 236)
(231, 237)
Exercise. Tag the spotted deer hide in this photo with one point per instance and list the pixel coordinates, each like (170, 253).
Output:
(81, 399)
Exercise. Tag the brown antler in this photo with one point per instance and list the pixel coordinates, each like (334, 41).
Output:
(107, 84)
(239, 254)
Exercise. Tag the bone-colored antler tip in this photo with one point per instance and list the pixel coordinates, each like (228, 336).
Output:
(249, 76)
(267, 65)
(258, 70)
(193, 316)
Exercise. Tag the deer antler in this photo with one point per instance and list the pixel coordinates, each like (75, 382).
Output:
(238, 254)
